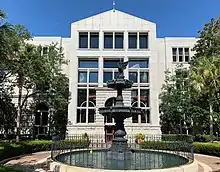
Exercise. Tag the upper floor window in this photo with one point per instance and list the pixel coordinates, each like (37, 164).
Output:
(108, 40)
(110, 70)
(111, 63)
(138, 63)
(88, 40)
(180, 54)
(119, 40)
(83, 40)
(45, 50)
(143, 40)
(88, 71)
(132, 40)
(94, 40)
(85, 63)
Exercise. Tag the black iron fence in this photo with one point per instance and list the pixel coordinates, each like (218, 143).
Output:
(148, 152)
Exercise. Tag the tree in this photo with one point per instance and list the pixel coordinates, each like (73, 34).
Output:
(7, 113)
(205, 80)
(51, 86)
(175, 101)
(208, 44)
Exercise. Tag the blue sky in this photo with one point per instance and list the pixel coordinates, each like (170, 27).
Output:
(53, 17)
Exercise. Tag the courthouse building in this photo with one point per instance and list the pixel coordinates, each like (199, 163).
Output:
(93, 50)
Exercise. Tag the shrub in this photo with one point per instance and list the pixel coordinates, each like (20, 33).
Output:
(176, 137)
(165, 145)
(207, 148)
(6, 169)
(204, 138)
(11, 149)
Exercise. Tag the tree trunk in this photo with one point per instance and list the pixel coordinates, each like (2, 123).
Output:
(20, 89)
(211, 120)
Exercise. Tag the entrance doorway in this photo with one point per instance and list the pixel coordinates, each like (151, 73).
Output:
(109, 133)
(41, 120)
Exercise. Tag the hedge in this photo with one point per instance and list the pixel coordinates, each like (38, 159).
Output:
(207, 148)
(199, 147)
(11, 149)
(7, 169)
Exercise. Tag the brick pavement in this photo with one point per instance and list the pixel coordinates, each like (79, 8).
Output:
(30, 163)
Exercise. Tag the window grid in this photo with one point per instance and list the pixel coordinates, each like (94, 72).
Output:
(113, 40)
(89, 41)
(140, 105)
(180, 54)
(88, 87)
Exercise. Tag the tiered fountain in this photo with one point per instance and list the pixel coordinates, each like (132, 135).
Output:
(119, 149)
(119, 156)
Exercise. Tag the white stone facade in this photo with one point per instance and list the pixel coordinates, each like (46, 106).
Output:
(159, 55)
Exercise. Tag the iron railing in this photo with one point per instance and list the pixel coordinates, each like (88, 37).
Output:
(150, 152)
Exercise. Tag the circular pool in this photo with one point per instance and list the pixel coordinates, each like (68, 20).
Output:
(140, 160)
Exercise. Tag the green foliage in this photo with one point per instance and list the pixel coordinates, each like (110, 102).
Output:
(11, 149)
(139, 136)
(201, 148)
(176, 137)
(7, 169)
(207, 148)
(208, 43)
(175, 101)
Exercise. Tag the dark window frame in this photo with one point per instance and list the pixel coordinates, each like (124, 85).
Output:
(108, 45)
(94, 35)
(117, 44)
(143, 34)
(84, 35)
(130, 35)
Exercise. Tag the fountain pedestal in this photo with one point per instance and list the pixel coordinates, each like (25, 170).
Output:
(119, 149)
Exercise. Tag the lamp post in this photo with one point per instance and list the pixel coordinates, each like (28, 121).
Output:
(179, 108)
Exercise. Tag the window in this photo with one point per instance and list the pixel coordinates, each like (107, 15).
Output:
(138, 71)
(83, 40)
(108, 63)
(140, 98)
(86, 105)
(180, 54)
(144, 77)
(93, 77)
(108, 40)
(84, 63)
(174, 54)
(143, 40)
(82, 77)
(110, 70)
(87, 80)
(133, 76)
(132, 40)
(45, 50)
(139, 63)
(94, 40)
(119, 40)
(186, 54)
(107, 76)
(88, 71)
(82, 99)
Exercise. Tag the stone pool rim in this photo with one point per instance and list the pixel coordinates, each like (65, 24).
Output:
(189, 165)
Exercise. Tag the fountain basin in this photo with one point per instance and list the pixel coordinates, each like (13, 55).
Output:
(142, 160)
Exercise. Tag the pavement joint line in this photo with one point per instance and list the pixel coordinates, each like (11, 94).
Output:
(204, 166)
